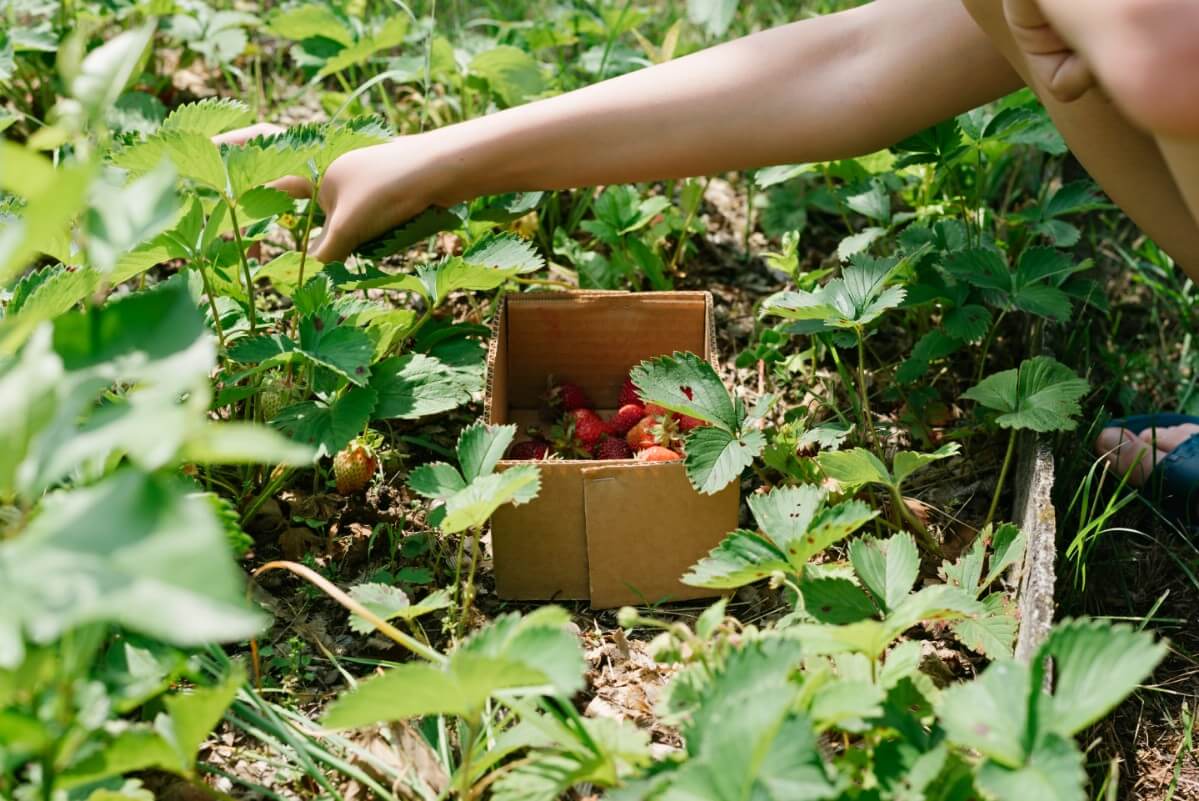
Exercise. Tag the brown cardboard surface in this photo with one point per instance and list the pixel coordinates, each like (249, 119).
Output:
(575, 539)
(645, 527)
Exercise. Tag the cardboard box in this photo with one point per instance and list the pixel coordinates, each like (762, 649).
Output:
(613, 532)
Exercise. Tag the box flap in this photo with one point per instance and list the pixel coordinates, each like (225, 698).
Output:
(646, 526)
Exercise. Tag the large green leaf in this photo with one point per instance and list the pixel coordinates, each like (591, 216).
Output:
(415, 385)
(1095, 665)
(103, 74)
(990, 713)
(511, 73)
(1041, 394)
(309, 21)
(436, 480)
(715, 457)
(471, 507)
(1053, 772)
(797, 520)
(208, 117)
(390, 34)
(480, 447)
(242, 443)
(193, 155)
(854, 467)
(328, 426)
(122, 217)
(389, 602)
(855, 299)
(687, 384)
(741, 558)
(45, 217)
(835, 600)
(112, 553)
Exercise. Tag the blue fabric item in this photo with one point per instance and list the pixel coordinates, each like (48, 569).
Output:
(1174, 483)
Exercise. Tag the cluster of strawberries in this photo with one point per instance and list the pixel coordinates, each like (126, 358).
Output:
(637, 430)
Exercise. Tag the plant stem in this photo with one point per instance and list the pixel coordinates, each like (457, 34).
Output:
(464, 767)
(312, 204)
(216, 317)
(468, 595)
(982, 359)
(541, 282)
(245, 265)
(863, 395)
(1007, 462)
(919, 529)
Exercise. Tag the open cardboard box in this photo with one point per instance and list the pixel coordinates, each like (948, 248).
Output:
(614, 532)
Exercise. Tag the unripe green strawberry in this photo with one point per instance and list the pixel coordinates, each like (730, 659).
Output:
(353, 467)
(273, 396)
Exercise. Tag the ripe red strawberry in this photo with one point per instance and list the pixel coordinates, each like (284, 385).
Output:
(588, 427)
(613, 448)
(529, 449)
(629, 394)
(657, 453)
(625, 418)
(687, 423)
(641, 435)
(566, 397)
(654, 410)
(353, 467)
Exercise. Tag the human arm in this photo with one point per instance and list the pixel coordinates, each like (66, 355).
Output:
(830, 87)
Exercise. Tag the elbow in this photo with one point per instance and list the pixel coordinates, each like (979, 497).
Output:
(1149, 65)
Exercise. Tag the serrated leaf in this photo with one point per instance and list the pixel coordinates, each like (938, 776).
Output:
(980, 267)
(388, 603)
(888, 567)
(308, 21)
(907, 462)
(741, 558)
(105, 71)
(836, 601)
(1041, 394)
(437, 480)
(968, 323)
(481, 446)
(472, 507)
(192, 154)
(1044, 301)
(390, 34)
(1053, 772)
(991, 634)
(687, 384)
(328, 427)
(422, 226)
(265, 159)
(208, 117)
(715, 458)
(854, 467)
(345, 350)
(1007, 548)
(504, 252)
(990, 714)
(1095, 665)
(414, 386)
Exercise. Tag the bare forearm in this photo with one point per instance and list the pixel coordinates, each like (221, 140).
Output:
(815, 90)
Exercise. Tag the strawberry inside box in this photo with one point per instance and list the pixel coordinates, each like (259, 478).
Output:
(612, 532)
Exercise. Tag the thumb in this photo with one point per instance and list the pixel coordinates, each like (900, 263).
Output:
(332, 244)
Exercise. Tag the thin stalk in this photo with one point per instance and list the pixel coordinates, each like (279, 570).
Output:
(245, 265)
(541, 282)
(385, 628)
(863, 395)
(468, 747)
(468, 595)
(458, 572)
(216, 317)
(312, 204)
(982, 360)
(1007, 462)
(684, 235)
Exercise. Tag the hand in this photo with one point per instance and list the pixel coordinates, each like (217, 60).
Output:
(1054, 63)
(365, 192)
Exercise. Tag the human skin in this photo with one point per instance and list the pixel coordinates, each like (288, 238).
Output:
(1119, 77)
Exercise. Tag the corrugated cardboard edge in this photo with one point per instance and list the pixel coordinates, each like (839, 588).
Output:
(493, 341)
(1035, 575)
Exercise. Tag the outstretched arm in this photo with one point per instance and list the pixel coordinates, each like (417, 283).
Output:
(830, 87)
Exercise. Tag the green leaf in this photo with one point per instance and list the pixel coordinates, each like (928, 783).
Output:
(846, 704)
(389, 602)
(345, 350)
(390, 34)
(855, 299)
(504, 252)
(436, 480)
(414, 386)
(1007, 548)
(193, 155)
(1095, 665)
(422, 226)
(990, 714)
(715, 458)
(968, 323)
(191, 716)
(741, 558)
(105, 71)
(888, 567)
(111, 553)
(908, 462)
(328, 427)
(967, 571)
(687, 384)
(265, 159)
(835, 600)
(122, 217)
(283, 271)
(243, 443)
(28, 390)
(208, 117)
(481, 446)
(471, 507)
(309, 21)
(991, 634)
(854, 467)
(45, 218)
(1053, 772)
(511, 73)
(980, 267)
(798, 522)
(1041, 394)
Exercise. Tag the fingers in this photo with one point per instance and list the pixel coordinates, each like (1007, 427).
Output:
(293, 185)
(1127, 454)
(1060, 70)
(1169, 438)
(243, 135)
(332, 244)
